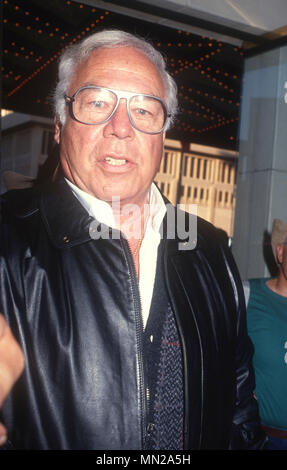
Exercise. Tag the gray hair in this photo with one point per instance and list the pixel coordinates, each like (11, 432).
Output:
(76, 53)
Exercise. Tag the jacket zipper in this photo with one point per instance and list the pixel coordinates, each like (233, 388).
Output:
(139, 339)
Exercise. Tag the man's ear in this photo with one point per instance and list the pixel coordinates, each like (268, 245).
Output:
(279, 253)
(57, 133)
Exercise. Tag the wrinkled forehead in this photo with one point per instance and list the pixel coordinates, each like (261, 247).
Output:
(122, 68)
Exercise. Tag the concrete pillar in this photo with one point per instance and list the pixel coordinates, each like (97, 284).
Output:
(262, 170)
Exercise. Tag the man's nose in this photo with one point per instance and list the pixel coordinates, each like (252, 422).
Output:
(119, 125)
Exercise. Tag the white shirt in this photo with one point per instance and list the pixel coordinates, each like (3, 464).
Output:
(102, 212)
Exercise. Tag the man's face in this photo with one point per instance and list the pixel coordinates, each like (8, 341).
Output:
(84, 149)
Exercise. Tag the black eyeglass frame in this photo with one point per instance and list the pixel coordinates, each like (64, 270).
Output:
(127, 95)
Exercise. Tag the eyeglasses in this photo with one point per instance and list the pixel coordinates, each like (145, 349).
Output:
(95, 105)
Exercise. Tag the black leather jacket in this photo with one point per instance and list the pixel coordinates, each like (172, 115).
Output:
(73, 303)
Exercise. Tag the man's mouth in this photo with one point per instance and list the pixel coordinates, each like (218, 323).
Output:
(115, 161)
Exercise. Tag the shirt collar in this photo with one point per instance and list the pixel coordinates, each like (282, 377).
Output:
(103, 213)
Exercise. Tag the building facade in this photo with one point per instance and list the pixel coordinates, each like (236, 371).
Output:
(201, 176)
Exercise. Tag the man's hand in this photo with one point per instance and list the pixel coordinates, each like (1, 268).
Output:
(11, 366)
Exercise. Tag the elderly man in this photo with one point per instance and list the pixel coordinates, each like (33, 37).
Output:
(134, 336)
(266, 300)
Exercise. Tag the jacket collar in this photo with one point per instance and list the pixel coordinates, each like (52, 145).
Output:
(179, 229)
(66, 220)
(68, 223)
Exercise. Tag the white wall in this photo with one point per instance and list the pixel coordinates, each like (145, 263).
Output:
(262, 170)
